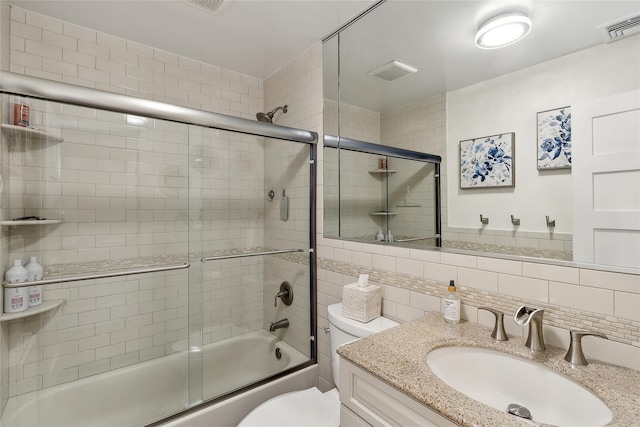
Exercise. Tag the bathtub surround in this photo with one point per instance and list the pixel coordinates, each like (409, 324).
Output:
(110, 323)
(123, 193)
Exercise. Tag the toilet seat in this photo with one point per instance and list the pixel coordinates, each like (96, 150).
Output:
(308, 408)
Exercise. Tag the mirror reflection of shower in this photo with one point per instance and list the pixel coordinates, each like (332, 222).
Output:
(268, 117)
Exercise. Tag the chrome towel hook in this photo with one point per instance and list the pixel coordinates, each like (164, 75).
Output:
(484, 220)
(515, 221)
(551, 223)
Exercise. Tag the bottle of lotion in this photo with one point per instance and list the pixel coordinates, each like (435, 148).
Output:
(34, 272)
(452, 305)
(16, 299)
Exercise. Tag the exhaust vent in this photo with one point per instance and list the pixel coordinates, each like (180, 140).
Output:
(391, 71)
(620, 28)
(213, 6)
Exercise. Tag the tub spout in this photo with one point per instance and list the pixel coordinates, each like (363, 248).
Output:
(284, 323)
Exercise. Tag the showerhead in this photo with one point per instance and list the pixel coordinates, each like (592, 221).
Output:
(268, 117)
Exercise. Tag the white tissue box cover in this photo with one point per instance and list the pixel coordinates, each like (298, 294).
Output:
(362, 304)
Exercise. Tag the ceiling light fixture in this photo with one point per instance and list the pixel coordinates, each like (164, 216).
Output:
(503, 30)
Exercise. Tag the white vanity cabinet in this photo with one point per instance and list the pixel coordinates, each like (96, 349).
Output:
(368, 401)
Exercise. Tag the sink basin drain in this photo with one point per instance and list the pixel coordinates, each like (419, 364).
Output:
(519, 411)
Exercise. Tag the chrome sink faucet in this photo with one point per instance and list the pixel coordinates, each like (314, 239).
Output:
(575, 355)
(532, 317)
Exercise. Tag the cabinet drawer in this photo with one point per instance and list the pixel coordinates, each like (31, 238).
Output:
(381, 405)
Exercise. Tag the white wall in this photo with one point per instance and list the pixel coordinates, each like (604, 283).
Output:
(509, 104)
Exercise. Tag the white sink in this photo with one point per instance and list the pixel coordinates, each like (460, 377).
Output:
(498, 379)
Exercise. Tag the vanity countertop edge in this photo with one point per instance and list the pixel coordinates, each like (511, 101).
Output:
(398, 357)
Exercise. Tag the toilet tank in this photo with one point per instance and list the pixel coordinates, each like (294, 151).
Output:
(344, 330)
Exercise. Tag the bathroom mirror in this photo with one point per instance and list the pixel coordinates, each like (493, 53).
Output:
(409, 75)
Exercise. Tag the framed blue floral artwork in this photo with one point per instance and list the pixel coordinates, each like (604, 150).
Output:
(488, 161)
(554, 139)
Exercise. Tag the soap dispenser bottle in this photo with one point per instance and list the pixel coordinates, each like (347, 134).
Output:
(380, 236)
(452, 304)
(35, 272)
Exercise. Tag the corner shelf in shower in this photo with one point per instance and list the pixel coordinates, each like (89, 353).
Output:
(410, 205)
(32, 311)
(11, 223)
(34, 134)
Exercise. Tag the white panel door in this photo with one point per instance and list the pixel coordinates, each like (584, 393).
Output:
(606, 180)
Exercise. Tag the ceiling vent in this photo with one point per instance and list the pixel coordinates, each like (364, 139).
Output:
(620, 28)
(391, 71)
(213, 6)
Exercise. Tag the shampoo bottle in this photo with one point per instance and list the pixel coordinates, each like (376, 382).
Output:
(452, 305)
(16, 299)
(17, 273)
(380, 236)
(34, 272)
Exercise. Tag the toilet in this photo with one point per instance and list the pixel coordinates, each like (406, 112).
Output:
(311, 407)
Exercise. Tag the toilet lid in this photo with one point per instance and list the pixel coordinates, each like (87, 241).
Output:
(306, 408)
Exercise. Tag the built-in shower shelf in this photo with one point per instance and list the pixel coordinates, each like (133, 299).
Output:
(383, 171)
(33, 134)
(383, 213)
(32, 311)
(31, 222)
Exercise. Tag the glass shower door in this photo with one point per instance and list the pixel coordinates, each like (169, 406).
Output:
(104, 202)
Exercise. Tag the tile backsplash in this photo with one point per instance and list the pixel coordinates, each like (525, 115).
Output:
(414, 282)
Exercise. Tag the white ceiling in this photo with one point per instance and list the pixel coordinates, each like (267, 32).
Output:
(253, 37)
(437, 38)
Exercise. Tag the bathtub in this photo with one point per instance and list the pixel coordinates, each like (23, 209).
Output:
(151, 390)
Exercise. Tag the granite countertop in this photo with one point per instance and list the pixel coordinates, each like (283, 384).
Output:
(398, 357)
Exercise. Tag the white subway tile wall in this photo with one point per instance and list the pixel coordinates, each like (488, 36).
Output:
(133, 212)
(288, 169)
(122, 184)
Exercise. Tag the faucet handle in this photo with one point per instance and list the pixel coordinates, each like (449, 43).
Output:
(575, 355)
(499, 334)
(285, 294)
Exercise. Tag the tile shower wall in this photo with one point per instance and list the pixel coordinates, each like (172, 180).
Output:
(122, 193)
(5, 12)
(287, 168)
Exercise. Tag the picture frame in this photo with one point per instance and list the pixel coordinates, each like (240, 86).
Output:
(554, 138)
(488, 162)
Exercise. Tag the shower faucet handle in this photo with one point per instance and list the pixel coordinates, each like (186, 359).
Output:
(498, 333)
(285, 294)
